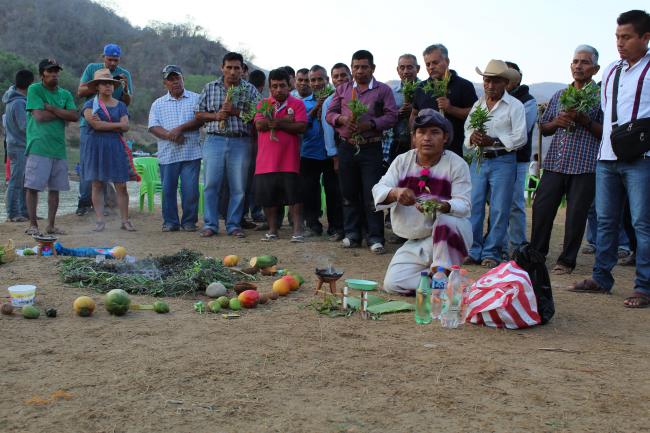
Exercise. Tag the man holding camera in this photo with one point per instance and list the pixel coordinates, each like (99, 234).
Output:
(111, 59)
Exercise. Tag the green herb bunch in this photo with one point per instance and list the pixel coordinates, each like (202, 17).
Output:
(324, 92)
(478, 121)
(408, 90)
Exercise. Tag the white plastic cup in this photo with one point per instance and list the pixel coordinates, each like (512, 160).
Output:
(22, 295)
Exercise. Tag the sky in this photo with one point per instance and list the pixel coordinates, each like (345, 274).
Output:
(539, 36)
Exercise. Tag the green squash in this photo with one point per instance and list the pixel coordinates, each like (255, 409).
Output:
(117, 302)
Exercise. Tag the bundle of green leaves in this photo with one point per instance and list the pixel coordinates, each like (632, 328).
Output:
(580, 100)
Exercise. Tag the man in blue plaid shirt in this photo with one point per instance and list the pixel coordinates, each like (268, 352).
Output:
(227, 147)
(569, 166)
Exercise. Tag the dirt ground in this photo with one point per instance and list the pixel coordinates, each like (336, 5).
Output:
(284, 368)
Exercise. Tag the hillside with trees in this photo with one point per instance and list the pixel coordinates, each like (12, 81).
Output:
(75, 31)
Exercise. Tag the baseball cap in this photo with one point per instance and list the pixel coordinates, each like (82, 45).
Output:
(171, 69)
(46, 64)
(112, 50)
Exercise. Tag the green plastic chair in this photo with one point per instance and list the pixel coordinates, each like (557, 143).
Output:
(149, 171)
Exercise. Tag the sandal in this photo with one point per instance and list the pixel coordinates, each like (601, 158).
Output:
(237, 233)
(588, 286)
(126, 225)
(54, 231)
(99, 226)
(489, 263)
(560, 269)
(269, 237)
(297, 239)
(32, 231)
(637, 300)
(206, 233)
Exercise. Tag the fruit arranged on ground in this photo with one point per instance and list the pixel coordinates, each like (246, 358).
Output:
(230, 261)
(214, 306)
(216, 289)
(264, 298)
(160, 307)
(199, 307)
(51, 312)
(297, 276)
(234, 304)
(84, 306)
(269, 271)
(281, 287)
(293, 282)
(262, 262)
(242, 286)
(223, 300)
(249, 298)
(30, 312)
(117, 302)
(273, 295)
(118, 252)
(7, 309)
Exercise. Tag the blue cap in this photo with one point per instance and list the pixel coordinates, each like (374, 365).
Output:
(441, 269)
(112, 50)
(423, 273)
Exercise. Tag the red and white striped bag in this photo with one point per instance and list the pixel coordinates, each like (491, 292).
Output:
(503, 297)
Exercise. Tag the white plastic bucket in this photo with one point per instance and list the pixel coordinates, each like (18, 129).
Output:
(22, 294)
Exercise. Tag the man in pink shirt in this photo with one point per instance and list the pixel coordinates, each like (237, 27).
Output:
(277, 166)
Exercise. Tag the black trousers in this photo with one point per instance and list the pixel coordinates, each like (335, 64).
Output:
(311, 171)
(579, 190)
(357, 175)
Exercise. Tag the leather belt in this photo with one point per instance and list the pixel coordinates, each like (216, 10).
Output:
(489, 154)
(229, 134)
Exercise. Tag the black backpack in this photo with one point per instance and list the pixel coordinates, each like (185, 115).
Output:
(534, 263)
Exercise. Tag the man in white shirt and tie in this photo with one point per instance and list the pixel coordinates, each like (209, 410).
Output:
(626, 92)
(505, 132)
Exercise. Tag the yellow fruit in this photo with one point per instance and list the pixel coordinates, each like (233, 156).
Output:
(293, 282)
(230, 261)
(119, 252)
(282, 287)
(84, 306)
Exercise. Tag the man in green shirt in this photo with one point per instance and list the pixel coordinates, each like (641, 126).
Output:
(48, 108)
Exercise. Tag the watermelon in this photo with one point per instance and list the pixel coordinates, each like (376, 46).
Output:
(117, 302)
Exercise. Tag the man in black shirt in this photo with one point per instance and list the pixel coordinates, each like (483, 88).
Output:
(460, 97)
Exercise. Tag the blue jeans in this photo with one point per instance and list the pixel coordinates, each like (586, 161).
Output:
(516, 234)
(495, 179)
(229, 157)
(188, 172)
(613, 180)
(592, 230)
(15, 200)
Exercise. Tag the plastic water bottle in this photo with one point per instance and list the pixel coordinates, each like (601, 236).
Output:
(452, 299)
(438, 285)
(423, 300)
(466, 285)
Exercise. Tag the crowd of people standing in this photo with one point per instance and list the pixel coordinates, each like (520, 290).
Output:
(372, 147)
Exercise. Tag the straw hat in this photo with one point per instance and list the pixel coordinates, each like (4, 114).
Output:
(498, 68)
(102, 76)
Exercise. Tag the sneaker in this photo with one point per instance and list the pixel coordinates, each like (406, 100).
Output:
(166, 228)
(377, 248)
(624, 253)
(189, 228)
(349, 243)
(81, 211)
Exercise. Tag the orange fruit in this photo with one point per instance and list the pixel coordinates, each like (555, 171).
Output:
(293, 282)
(230, 261)
(282, 287)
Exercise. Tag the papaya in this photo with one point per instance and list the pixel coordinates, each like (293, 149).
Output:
(84, 306)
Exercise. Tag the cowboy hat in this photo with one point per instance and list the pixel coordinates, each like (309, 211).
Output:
(102, 76)
(498, 68)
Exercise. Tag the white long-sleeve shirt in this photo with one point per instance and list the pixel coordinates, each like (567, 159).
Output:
(508, 123)
(449, 181)
(627, 86)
